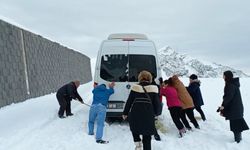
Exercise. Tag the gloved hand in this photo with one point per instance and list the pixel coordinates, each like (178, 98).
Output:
(124, 117)
(111, 85)
(221, 110)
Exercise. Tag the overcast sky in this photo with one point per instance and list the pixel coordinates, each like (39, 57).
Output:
(211, 30)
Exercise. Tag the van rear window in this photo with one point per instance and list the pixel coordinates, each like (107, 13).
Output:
(123, 68)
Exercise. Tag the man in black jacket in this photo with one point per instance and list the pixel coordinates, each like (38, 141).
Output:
(64, 96)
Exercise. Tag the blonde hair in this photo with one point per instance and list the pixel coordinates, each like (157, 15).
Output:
(145, 76)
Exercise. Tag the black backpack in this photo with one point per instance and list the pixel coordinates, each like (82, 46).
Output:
(141, 115)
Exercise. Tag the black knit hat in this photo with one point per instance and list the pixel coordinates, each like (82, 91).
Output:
(193, 77)
(228, 75)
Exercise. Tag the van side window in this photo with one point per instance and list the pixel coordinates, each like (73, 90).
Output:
(114, 67)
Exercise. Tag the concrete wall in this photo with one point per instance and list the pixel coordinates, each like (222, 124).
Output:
(32, 66)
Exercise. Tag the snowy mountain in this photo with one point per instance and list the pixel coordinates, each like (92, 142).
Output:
(183, 65)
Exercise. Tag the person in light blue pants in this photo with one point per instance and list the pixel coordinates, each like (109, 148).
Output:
(98, 110)
(98, 113)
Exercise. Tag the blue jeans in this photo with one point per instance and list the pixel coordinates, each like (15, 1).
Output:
(97, 112)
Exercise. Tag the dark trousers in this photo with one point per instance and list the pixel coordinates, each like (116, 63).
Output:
(156, 133)
(65, 105)
(198, 108)
(190, 114)
(175, 113)
(146, 140)
(184, 119)
(237, 137)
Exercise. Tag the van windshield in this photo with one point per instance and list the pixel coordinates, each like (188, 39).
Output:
(122, 68)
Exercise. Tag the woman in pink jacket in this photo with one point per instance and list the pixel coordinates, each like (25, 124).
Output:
(173, 103)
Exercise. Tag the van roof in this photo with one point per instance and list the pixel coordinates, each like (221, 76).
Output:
(127, 36)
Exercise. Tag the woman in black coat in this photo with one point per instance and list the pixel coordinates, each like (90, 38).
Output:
(195, 93)
(141, 107)
(232, 106)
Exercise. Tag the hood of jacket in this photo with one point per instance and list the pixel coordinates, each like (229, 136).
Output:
(235, 81)
(149, 88)
(196, 82)
(101, 87)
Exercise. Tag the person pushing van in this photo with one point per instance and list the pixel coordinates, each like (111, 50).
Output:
(98, 110)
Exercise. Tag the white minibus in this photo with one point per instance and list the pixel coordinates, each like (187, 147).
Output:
(120, 59)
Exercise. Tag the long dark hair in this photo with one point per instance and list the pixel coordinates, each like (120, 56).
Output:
(228, 75)
(170, 81)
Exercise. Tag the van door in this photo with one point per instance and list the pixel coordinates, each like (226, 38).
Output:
(141, 57)
(114, 67)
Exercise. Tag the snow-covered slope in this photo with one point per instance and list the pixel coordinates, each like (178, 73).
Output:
(34, 125)
(183, 65)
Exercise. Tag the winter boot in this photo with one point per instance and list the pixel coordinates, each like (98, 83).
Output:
(197, 127)
(69, 114)
(157, 137)
(138, 145)
(61, 116)
(237, 137)
(203, 118)
(182, 132)
(189, 128)
(102, 142)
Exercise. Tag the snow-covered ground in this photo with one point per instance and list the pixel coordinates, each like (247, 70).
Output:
(34, 125)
